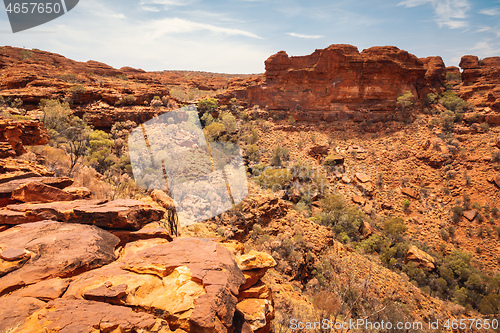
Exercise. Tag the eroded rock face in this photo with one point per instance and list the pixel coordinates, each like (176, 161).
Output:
(14, 135)
(89, 316)
(56, 250)
(481, 84)
(421, 258)
(340, 79)
(120, 214)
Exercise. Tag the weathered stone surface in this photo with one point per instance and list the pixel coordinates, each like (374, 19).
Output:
(58, 250)
(470, 214)
(366, 229)
(79, 192)
(497, 180)
(46, 290)
(16, 134)
(255, 260)
(358, 199)
(259, 290)
(14, 254)
(15, 310)
(338, 79)
(194, 282)
(119, 214)
(252, 277)
(421, 258)
(149, 231)
(11, 169)
(435, 76)
(40, 192)
(318, 151)
(88, 316)
(410, 192)
(257, 312)
(481, 84)
(7, 188)
(362, 177)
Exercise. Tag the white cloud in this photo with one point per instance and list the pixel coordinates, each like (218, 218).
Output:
(490, 11)
(167, 26)
(293, 34)
(449, 13)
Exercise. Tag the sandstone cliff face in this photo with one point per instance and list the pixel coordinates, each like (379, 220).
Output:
(481, 81)
(15, 134)
(342, 79)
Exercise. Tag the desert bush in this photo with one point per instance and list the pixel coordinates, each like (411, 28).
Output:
(156, 102)
(345, 220)
(253, 152)
(229, 121)
(406, 204)
(16, 103)
(207, 105)
(127, 100)
(395, 228)
(207, 119)
(406, 100)
(452, 102)
(274, 179)
(279, 155)
(456, 213)
(214, 131)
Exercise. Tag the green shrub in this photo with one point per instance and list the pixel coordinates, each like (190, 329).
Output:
(406, 100)
(274, 179)
(291, 120)
(127, 100)
(214, 130)
(279, 155)
(229, 121)
(253, 153)
(207, 105)
(406, 204)
(452, 102)
(395, 228)
(484, 127)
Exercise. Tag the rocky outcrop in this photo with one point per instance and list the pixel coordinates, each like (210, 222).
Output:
(15, 134)
(33, 75)
(341, 80)
(419, 257)
(120, 214)
(481, 84)
(52, 249)
(435, 75)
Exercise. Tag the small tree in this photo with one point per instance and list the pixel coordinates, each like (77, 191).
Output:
(406, 100)
(207, 105)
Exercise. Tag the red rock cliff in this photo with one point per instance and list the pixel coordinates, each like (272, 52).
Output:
(340, 78)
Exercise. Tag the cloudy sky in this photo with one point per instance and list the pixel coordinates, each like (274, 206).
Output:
(236, 36)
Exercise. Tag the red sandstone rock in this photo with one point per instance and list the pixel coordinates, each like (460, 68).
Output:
(39, 192)
(421, 258)
(58, 250)
(15, 134)
(118, 214)
(15, 310)
(89, 316)
(339, 79)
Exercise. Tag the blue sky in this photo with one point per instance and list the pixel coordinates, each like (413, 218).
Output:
(237, 36)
